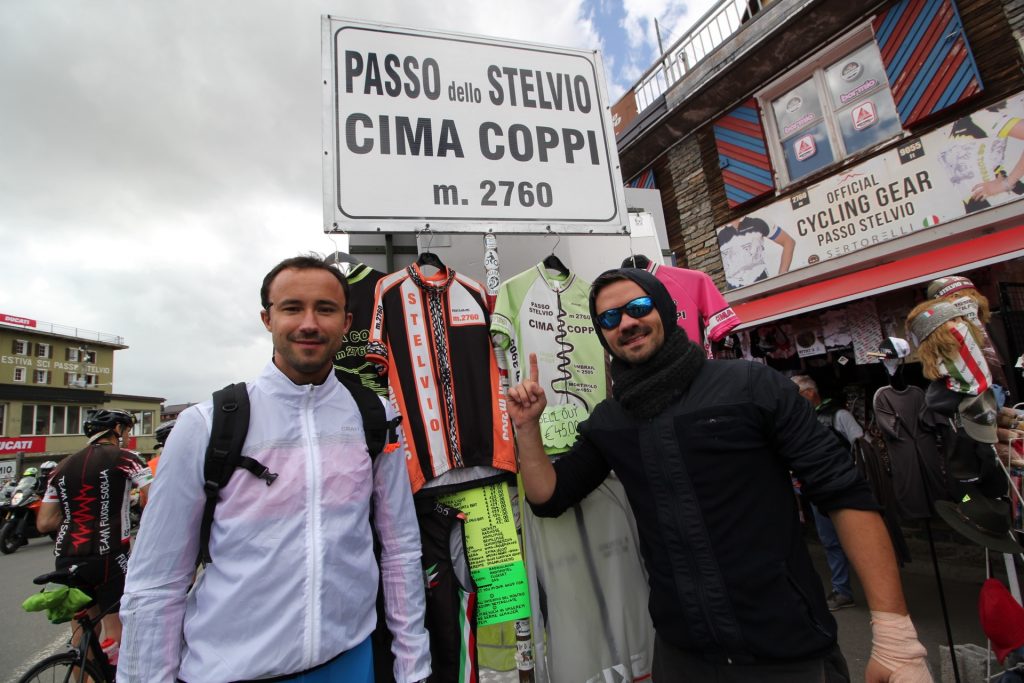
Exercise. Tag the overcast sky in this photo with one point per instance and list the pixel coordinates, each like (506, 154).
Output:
(157, 158)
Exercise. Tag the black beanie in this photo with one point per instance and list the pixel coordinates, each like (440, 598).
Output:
(663, 302)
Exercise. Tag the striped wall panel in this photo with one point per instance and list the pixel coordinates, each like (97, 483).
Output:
(926, 57)
(644, 181)
(742, 154)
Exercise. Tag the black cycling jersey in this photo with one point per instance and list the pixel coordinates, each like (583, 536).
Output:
(92, 488)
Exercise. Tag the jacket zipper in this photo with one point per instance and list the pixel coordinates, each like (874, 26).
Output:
(313, 481)
(690, 559)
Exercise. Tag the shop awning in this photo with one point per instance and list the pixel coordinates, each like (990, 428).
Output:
(974, 253)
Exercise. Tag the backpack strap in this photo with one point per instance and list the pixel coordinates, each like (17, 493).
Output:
(381, 433)
(224, 455)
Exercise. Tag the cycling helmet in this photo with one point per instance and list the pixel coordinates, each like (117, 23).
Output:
(162, 431)
(47, 467)
(30, 472)
(103, 421)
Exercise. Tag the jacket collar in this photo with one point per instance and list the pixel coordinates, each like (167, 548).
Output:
(277, 384)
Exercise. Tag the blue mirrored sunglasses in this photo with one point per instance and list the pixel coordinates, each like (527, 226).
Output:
(637, 308)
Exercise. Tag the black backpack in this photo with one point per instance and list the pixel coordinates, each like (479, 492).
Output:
(227, 436)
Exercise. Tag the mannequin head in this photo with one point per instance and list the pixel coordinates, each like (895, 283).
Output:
(955, 289)
(940, 333)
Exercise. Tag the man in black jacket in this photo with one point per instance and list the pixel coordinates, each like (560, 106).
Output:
(704, 450)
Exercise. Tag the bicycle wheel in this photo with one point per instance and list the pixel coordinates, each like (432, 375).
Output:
(60, 668)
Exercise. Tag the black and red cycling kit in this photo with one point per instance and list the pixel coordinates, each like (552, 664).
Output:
(92, 488)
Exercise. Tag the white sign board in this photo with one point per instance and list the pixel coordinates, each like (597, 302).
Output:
(460, 133)
(7, 469)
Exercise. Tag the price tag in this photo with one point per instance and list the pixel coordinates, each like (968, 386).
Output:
(559, 426)
(492, 548)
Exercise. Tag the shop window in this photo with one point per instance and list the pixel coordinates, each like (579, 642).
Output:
(833, 107)
(40, 420)
(57, 416)
(143, 423)
(20, 374)
(41, 423)
(80, 380)
(20, 347)
(43, 350)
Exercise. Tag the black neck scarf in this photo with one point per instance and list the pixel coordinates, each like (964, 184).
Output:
(645, 390)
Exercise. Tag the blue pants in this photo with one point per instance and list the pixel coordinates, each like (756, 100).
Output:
(837, 562)
(355, 666)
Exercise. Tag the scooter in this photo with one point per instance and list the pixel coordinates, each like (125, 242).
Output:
(20, 516)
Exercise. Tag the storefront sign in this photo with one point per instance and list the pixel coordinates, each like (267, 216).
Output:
(951, 172)
(23, 444)
(464, 133)
(16, 320)
(7, 469)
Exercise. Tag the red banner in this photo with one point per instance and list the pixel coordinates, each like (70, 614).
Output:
(15, 320)
(22, 444)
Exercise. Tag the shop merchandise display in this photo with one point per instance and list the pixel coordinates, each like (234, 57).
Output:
(430, 336)
(701, 310)
(351, 359)
(911, 441)
(961, 390)
(962, 293)
(588, 586)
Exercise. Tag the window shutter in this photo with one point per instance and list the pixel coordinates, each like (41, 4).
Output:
(926, 56)
(743, 155)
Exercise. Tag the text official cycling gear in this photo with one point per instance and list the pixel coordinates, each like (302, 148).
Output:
(637, 308)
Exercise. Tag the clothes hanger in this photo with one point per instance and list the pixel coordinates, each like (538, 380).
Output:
(346, 262)
(552, 262)
(427, 257)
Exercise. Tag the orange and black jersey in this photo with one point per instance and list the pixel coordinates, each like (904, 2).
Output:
(430, 335)
(92, 488)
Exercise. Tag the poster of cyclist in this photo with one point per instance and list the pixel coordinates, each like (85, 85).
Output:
(968, 166)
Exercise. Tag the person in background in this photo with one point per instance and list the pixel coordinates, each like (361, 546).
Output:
(704, 449)
(86, 502)
(842, 423)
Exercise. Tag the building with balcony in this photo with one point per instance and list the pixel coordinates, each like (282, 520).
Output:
(51, 376)
(824, 161)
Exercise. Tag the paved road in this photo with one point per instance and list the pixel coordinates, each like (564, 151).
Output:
(26, 635)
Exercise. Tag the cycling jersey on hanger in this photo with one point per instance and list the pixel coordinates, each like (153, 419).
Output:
(550, 316)
(430, 335)
(351, 358)
(702, 311)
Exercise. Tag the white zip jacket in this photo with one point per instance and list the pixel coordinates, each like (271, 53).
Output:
(293, 580)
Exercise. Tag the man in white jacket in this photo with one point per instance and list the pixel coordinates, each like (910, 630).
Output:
(290, 594)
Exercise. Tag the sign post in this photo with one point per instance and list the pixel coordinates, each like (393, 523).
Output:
(455, 133)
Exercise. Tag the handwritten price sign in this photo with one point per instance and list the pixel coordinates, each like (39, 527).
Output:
(559, 426)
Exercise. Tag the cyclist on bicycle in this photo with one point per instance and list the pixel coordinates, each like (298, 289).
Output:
(87, 500)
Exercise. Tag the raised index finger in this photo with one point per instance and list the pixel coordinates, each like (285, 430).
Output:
(534, 373)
